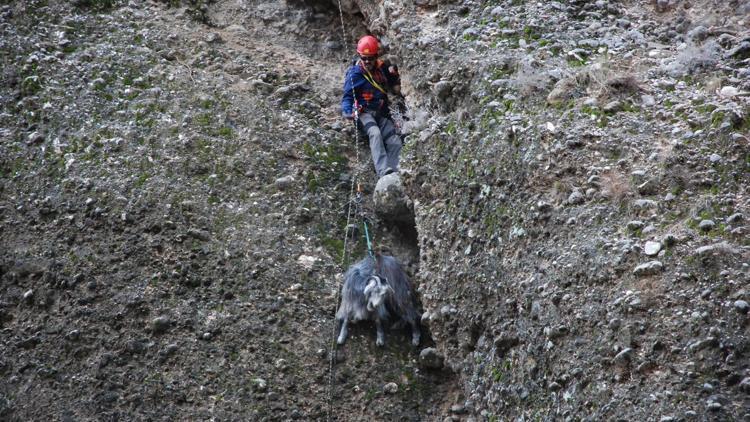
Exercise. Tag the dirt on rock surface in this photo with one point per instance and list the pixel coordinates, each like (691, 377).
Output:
(173, 204)
(174, 180)
(580, 191)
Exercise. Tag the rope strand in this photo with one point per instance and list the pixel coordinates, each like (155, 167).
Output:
(346, 237)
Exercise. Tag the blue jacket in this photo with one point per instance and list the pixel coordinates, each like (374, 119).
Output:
(368, 97)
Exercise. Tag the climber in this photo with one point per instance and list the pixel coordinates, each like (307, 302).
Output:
(366, 87)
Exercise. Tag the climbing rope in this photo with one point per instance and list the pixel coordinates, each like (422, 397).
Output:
(355, 202)
(364, 219)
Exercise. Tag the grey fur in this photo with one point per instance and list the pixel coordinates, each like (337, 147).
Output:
(375, 289)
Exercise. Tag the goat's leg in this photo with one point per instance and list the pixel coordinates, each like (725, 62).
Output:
(416, 335)
(343, 333)
(381, 336)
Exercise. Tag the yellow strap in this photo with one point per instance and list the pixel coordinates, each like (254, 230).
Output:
(372, 82)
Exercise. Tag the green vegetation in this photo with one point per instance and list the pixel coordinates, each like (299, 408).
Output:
(562, 105)
(575, 62)
(513, 39)
(494, 219)
(509, 39)
(31, 85)
(225, 132)
(630, 107)
(636, 232)
(370, 394)
(492, 115)
(334, 246)
(144, 114)
(203, 120)
(470, 37)
(213, 199)
(327, 164)
(441, 144)
(142, 178)
(450, 129)
(497, 374)
(11, 168)
(744, 125)
(532, 33)
(601, 118)
(708, 214)
(500, 72)
(717, 118)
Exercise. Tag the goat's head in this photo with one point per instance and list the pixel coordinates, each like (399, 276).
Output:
(376, 290)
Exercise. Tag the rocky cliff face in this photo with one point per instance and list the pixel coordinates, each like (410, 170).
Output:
(173, 181)
(580, 194)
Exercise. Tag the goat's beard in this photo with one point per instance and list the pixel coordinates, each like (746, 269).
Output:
(371, 305)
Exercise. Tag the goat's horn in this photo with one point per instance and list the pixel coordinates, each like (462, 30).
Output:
(370, 285)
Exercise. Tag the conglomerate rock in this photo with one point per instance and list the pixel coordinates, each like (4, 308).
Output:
(173, 175)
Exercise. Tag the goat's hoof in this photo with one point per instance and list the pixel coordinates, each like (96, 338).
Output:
(380, 343)
(340, 341)
(415, 342)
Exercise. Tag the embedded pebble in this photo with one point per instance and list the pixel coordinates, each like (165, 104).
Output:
(735, 218)
(458, 409)
(28, 296)
(635, 225)
(741, 306)
(390, 388)
(652, 248)
(283, 183)
(649, 268)
(259, 384)
(160, 324)
(576, 197)
(624, 357)
(706, 225)
(713, 406)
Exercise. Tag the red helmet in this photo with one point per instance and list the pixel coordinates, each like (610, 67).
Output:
(367, 46)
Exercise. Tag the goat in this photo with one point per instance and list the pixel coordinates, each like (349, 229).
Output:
(375, 289)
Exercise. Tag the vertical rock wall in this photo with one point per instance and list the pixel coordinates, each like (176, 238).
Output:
(579, 174)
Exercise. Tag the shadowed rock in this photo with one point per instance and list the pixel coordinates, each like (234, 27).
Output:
(430, 358)
(391, 202)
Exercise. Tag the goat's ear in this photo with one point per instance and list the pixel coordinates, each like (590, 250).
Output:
(370, 285)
